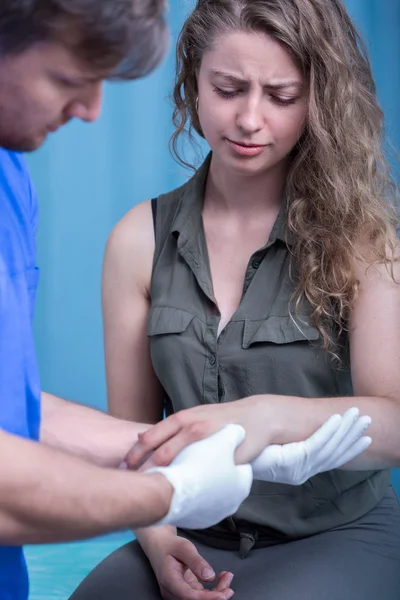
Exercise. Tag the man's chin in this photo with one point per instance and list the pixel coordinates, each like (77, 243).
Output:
(23, 145)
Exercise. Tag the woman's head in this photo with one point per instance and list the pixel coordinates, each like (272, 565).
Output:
(252, 101)
(313, 40)
(330, 131)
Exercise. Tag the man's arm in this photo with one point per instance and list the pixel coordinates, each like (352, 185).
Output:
(47, 496)
(87, 433)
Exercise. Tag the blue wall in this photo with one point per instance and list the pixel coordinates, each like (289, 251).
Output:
(87, 177)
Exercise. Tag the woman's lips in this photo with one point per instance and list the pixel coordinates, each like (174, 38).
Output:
(244, 149)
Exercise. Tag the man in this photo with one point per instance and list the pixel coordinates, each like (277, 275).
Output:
(54, 57)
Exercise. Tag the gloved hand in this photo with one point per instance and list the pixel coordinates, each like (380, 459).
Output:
(208, 485)
(336, 443)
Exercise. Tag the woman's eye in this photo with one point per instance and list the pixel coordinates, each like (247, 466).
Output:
(226, 93)
(284, 101)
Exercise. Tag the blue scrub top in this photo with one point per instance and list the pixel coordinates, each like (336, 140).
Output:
(19, 377)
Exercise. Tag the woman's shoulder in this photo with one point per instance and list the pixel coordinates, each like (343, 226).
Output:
(130, 246)
(139, 219)
(132, 241)
(135, 228)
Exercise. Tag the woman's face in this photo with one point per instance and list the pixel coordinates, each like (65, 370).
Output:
(253, 102)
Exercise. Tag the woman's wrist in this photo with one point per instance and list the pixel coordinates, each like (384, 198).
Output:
(270, 410)
(153, 539)
(291, 419)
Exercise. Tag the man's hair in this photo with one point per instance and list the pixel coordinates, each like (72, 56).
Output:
(129, 36)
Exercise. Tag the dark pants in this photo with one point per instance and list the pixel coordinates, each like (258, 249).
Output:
(358, 561)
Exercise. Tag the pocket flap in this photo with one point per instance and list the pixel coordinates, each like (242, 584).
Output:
(165, 319)
(279, 330)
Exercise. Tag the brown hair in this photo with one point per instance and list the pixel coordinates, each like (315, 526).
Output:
(130, 35)
(341, 196)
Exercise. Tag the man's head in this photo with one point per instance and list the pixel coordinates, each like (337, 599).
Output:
(56, 54)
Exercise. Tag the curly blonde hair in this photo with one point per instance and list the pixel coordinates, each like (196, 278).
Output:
(341, 196)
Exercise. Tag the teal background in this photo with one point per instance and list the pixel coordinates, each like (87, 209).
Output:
(87, 177)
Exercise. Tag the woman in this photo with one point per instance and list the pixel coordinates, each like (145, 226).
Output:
(272, 282)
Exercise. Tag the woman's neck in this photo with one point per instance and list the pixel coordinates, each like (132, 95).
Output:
(231, 192)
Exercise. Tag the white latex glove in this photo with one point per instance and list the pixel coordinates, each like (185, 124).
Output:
(336, 443)
(208, 485)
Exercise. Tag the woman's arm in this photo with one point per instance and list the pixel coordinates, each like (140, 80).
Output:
(133, 390)
(375, 358)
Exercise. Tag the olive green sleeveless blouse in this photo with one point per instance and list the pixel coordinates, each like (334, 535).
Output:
(264, 349)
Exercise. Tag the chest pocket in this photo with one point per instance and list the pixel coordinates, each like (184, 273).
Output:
(165, 328)
(165, 320)
(174, 356)
(279, 330)
(284, 356)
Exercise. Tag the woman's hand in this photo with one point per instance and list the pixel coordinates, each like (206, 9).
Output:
(160, 445)
(180, 569)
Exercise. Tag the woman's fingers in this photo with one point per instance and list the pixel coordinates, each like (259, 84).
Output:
(192, 580)
(152, 439)
(187, 553)
(168, 451)
(224, 581)
(165, 440)
(174, 587)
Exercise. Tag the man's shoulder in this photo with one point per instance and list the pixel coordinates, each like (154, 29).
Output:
(16, 185)
(14, 177)
(12, 164)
